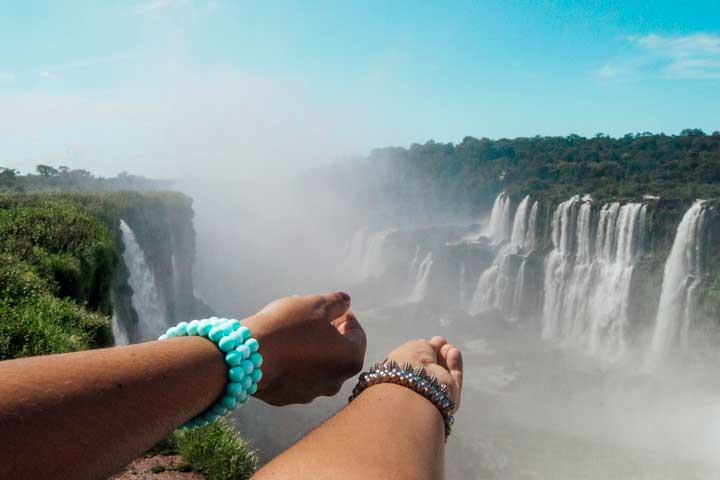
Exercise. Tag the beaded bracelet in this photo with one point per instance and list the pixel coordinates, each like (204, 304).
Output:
(241, 356)
(416, 379)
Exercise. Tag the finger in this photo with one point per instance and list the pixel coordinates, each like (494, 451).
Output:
(455, 366)
(437, 342)
(442, 355)
(333, 305)
(353, 342)
(350, 328)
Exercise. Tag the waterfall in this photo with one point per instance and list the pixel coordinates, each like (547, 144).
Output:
(373, 264)
(355, 250)
(499, 228)
(462, 286)
(497, 285)
(146, 301)
(119, 334)
(421, 279)
(520, 223)
(531, 234)
(588, 274)
(683, 274)
(557, 265)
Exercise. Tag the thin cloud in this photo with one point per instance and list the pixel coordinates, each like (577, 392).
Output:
(151, 6)
(7, 77)
(53, 71)
(688, 57)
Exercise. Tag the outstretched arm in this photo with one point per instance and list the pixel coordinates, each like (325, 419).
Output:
(87, 414)
(388, 432)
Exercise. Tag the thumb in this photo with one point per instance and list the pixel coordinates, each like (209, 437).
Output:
(354, 341)
(350, 328)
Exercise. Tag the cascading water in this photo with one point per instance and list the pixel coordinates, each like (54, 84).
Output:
(588, 274)
(421, 279)
(531, 232)
(499, 228)
(146, 301)
(373, 264)
(683, 274)
(557, 265)
(355, 250)
(497, 286)
(120, 336)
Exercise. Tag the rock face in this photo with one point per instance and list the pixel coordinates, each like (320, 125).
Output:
(160, 226)
(585, 273)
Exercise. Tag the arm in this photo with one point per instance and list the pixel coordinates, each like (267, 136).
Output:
(87, 414)
(388, 432)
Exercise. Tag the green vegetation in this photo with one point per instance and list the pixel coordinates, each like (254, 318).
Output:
(448, 177)
(216, 450)
(57, 262)
(64, 178)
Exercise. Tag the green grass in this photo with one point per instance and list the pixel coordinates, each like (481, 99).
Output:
(217, 451)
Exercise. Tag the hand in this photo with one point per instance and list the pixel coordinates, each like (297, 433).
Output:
(439, 358)
(310, 345)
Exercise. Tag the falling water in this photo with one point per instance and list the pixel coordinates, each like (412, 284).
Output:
(520, 223)
(683, 273)
(588, 274)
(531, 234)
(499, 228)
(421, 279)
(119, 334)
(373, 263)
(355, 250)
(557, 265)
(497, 285)
(146, 300)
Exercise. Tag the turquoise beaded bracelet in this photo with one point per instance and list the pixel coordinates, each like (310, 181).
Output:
(241, 355)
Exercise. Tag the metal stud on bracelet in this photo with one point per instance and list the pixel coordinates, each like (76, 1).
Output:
(241, 356)
(416, 379)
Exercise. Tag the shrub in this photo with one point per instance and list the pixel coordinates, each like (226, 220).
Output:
(218, 451)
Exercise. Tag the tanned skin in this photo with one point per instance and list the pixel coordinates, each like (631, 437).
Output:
(85, 415)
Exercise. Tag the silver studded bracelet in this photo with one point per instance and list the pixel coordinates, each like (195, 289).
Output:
(416, 379)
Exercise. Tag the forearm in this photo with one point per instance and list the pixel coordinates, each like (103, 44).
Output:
(388, 432)
(86, 414)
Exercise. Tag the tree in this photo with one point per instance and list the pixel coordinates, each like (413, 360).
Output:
(47, 171)
(8, 172)
(692, 132)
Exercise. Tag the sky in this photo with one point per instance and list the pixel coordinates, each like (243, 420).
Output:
(160, 87)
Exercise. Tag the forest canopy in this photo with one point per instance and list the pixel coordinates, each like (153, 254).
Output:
(467, 176)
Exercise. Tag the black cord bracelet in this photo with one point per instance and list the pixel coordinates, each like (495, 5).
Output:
(416, 379)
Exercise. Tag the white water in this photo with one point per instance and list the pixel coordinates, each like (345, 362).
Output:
(421, 279)
(588, 276)
(683, 273)
(499, 228)
(146, 301)
(498, 285)
(373, 263)
(119, 335)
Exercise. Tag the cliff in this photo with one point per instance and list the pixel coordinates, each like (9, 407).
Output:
(64, 274)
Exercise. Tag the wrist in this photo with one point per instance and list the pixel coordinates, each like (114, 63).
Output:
(261, 329)
(388, 400)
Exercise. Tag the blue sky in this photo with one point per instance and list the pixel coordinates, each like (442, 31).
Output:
(153, 85)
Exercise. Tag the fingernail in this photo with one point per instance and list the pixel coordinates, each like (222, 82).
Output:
(344, 296)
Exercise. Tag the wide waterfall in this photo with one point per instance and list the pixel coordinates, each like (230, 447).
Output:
(146, 300)
(588, 274)
(683, 275)
(501, 284)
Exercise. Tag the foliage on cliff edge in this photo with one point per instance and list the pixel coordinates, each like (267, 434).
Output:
(57, 262)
